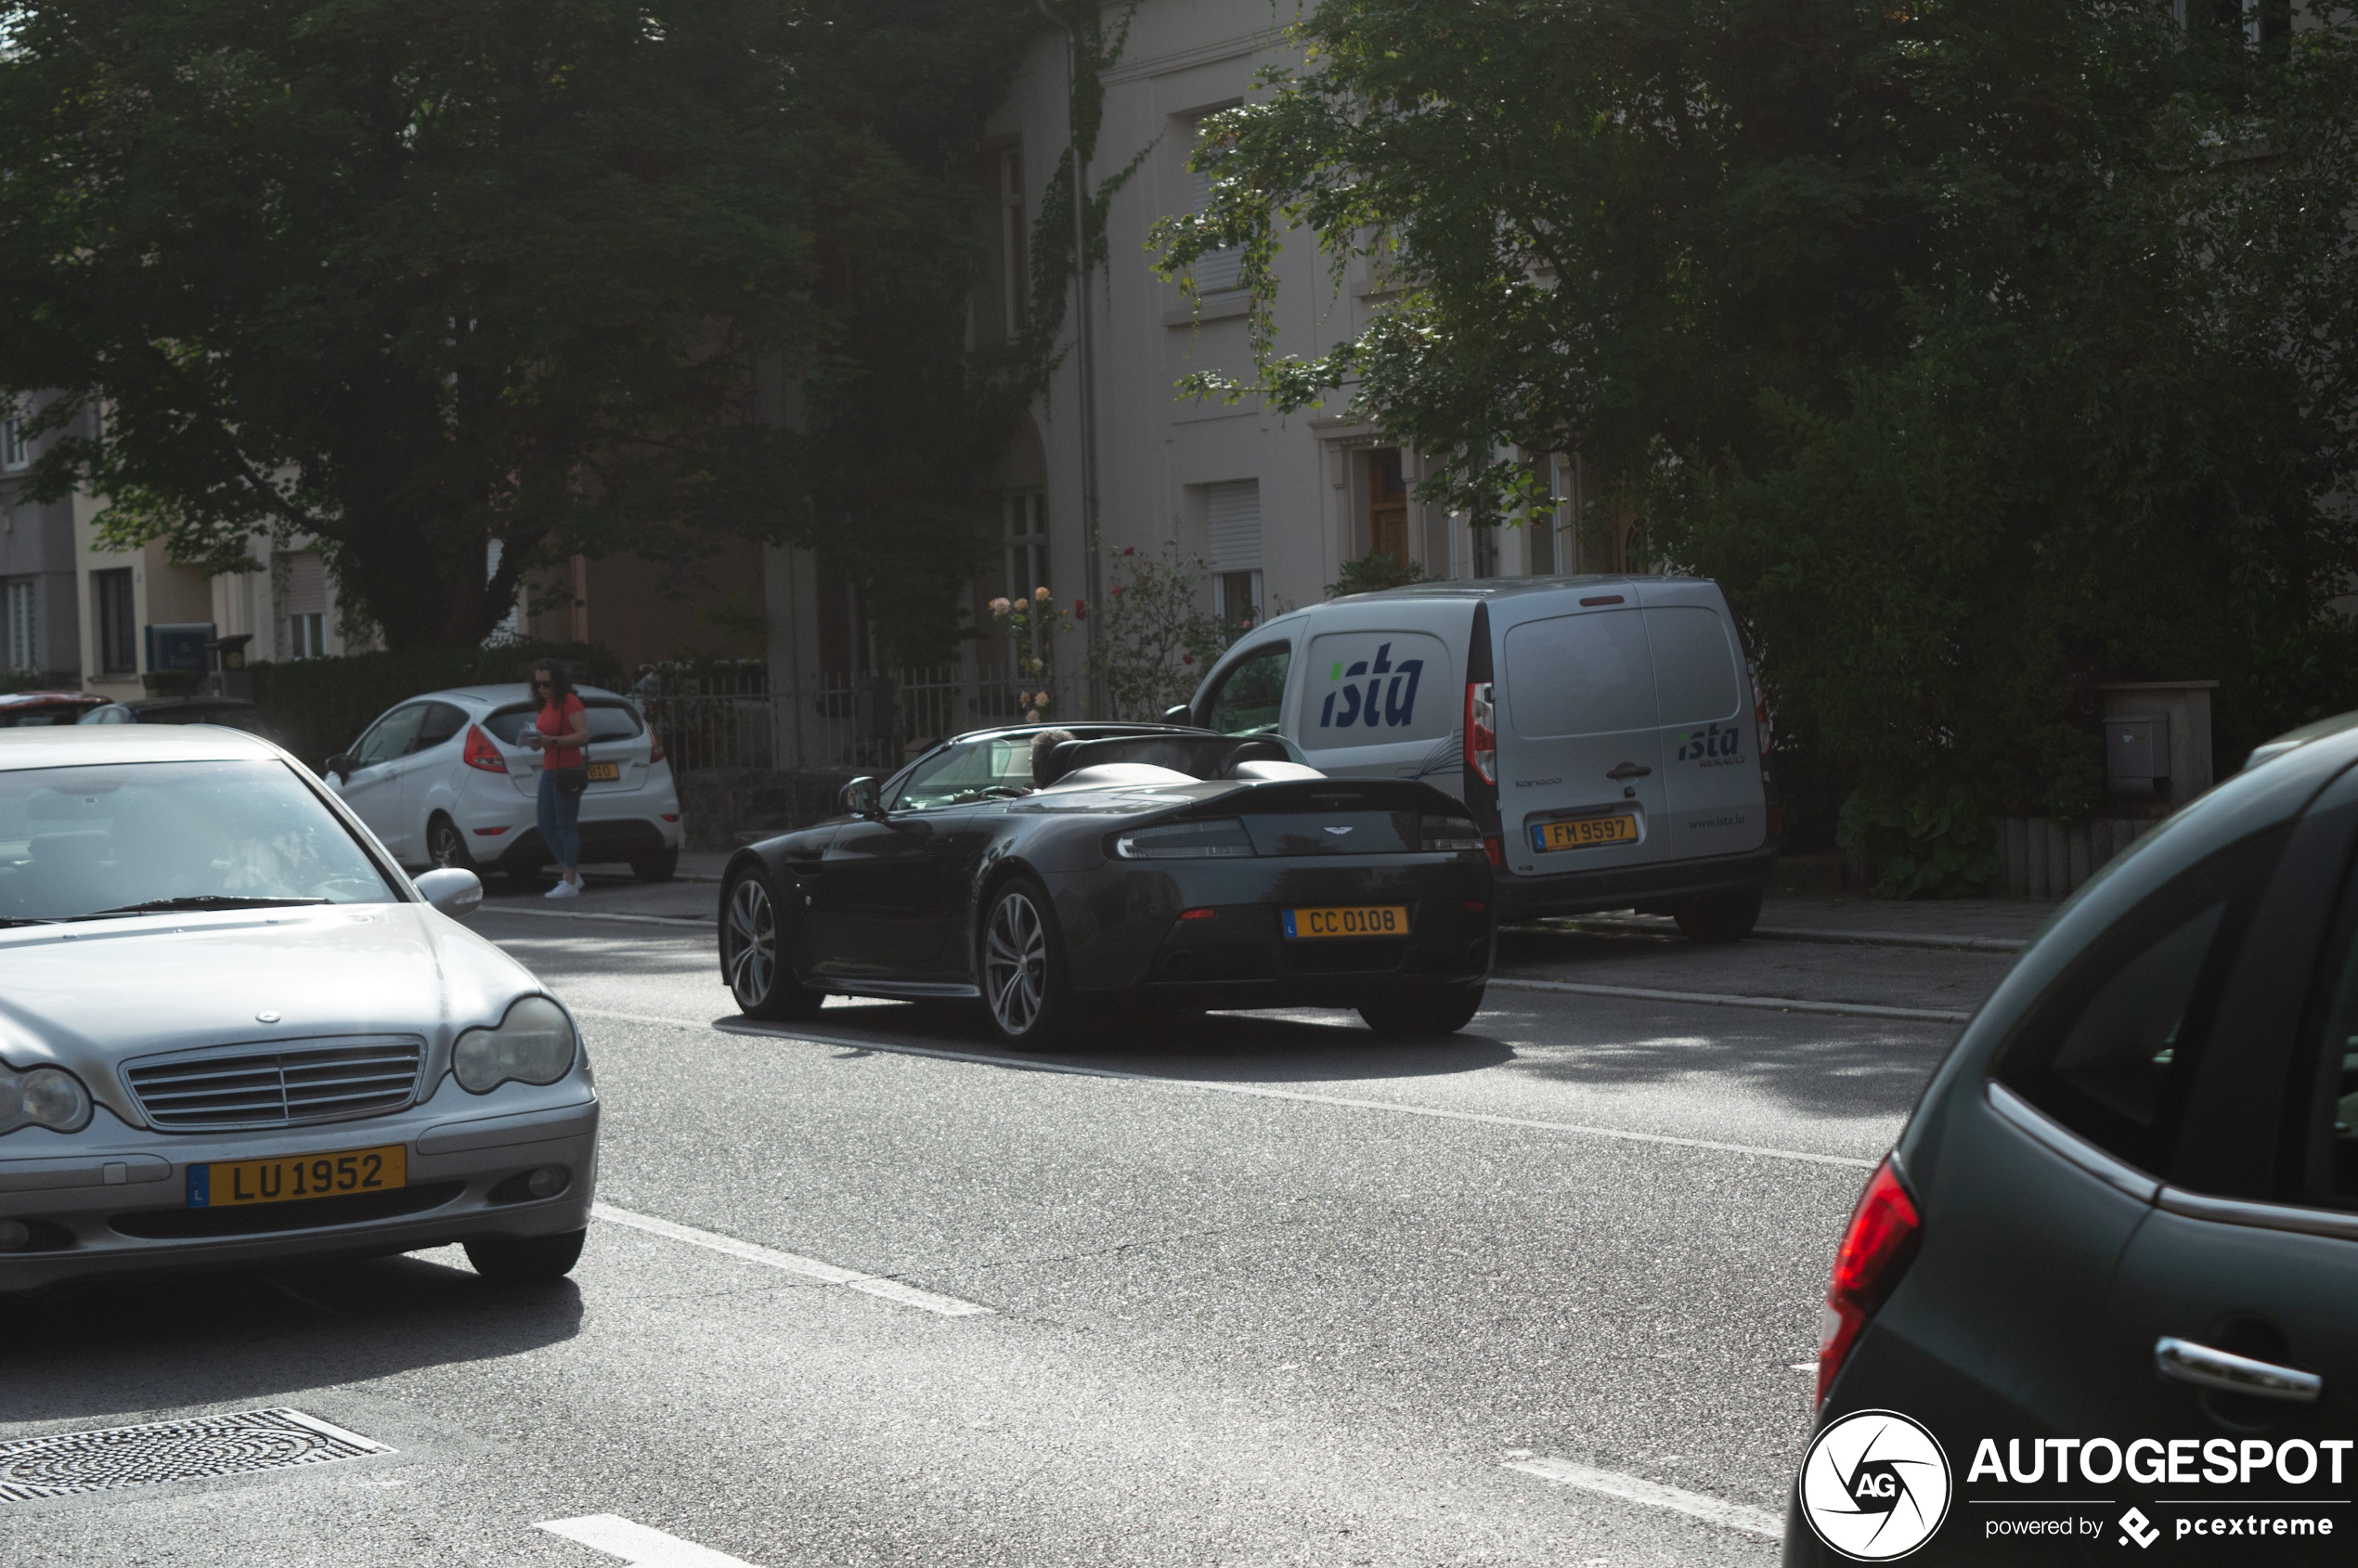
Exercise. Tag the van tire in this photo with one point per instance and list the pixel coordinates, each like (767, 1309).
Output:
(1426, 1012)
(1723, 917)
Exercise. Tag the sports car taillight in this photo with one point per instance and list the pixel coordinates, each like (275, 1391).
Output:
(1481, 734)
(481, 753)
(1176, 841)
(1450, 832)
(1877, 1246)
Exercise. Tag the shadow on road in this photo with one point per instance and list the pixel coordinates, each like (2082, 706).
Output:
(93, 1350)
(1217, 1048)
(1816, 1065)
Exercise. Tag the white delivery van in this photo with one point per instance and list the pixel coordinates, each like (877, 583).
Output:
(1603, 731)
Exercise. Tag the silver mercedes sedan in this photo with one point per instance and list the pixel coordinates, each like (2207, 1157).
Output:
(231, 1029)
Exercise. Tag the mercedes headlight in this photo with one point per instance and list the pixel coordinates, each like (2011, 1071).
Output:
(533, 1044)
(43, 1096)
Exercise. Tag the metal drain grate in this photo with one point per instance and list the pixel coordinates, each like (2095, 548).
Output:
(70, 1462)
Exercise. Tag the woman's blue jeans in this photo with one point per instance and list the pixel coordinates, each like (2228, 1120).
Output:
(559, 822)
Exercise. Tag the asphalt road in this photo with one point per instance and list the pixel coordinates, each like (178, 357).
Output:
(1258, 1290)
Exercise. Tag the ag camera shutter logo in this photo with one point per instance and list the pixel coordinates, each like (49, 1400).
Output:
(1875, 1485)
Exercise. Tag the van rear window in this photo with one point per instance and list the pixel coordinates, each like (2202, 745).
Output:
(1694, 668)
(1579, 675)
(1377, 688)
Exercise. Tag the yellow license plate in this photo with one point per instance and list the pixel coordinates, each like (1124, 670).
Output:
(229, 1182)
(604, 773)
(1372, 920)
(1582, 832)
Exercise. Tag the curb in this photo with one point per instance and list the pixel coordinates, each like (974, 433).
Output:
(1758, 1003)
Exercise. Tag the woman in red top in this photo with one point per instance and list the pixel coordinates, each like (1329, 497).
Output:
(558, 735)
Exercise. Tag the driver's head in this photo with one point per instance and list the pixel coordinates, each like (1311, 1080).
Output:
(1044, 769)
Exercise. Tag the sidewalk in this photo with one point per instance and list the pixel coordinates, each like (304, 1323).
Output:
(1958, 925)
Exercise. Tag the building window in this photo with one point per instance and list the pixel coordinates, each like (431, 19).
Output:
(24, 631)
(1215, 271)
(12, 449)
(118, 622)
(1026, 543)
(1015, 272)
(1387, 505)
(302, 583)
(1232, 520)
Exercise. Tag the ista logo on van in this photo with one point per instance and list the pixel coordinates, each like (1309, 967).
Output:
(1874, 1487)
(1715, 745)
(1364, 698)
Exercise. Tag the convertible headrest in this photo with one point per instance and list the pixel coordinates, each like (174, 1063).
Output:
(1258, 749)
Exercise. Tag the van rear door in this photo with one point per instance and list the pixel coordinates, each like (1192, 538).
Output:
(1580, 760)
(1714, 799)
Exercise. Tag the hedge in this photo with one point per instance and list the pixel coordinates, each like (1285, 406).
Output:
(320, 706)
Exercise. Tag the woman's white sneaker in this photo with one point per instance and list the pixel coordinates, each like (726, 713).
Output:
(564, 890)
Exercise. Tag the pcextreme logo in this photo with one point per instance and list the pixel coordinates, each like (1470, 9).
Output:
(1874, 1486)
(1372, 704)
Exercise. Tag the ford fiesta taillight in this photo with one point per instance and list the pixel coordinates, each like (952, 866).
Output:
(1877, 1246)
(655, 746)
(1481, 734)
(481, 753)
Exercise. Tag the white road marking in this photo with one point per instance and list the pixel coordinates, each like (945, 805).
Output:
(1252, 1090)
(638, 1543)
(1636, 1489)
(810, 1268)
(1714, 999)
(1937, 941)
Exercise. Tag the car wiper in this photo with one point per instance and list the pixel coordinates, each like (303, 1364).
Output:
(195, 901)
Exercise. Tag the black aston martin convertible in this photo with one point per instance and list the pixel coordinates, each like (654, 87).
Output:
(1048, 870)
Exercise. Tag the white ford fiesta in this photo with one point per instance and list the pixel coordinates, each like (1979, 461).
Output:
(231, 1029)
(444, 780)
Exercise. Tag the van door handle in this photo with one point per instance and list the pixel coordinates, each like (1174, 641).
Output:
(2186, 1362)
(1628, 770)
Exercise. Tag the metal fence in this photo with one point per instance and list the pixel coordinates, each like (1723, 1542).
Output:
(729, 716)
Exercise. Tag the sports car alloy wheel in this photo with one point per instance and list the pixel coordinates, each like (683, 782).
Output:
(751, 933)
(1015, 963)
(759, 973)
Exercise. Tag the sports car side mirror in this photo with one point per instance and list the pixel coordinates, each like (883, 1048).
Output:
(1178, 713)
(859, 797)
(341, 765)
(455, 893)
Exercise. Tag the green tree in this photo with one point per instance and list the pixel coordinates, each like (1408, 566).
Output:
(413, 278)
(1984, 353)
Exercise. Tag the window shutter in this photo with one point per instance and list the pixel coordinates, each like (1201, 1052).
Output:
(307, 584)
(1233, 511)
(1215, 270)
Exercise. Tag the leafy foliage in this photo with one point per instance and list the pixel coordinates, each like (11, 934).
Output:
(1372, 574)
(1154, 643)
(410, 279)
(1984, 354)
